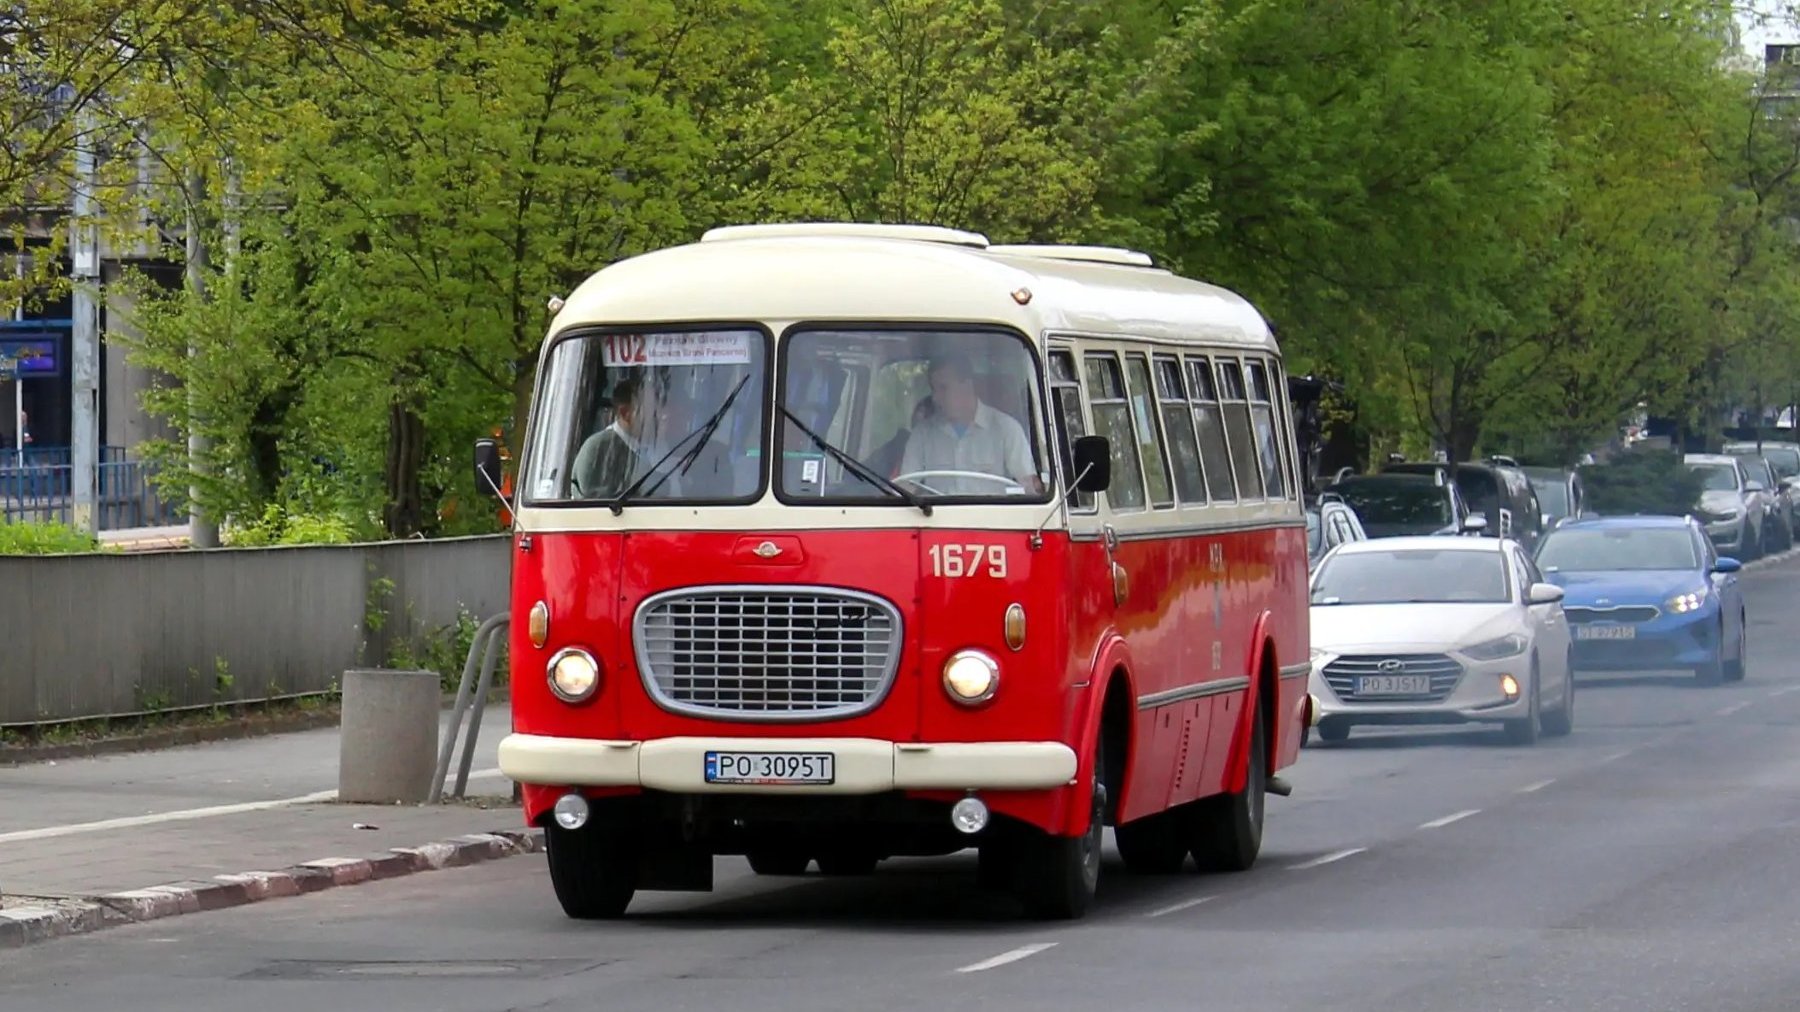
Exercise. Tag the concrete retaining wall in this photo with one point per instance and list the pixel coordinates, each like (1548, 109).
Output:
(116, 634)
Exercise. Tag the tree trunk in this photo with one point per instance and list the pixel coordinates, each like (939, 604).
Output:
(403, 513)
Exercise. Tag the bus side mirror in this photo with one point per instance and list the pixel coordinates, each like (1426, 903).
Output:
(1093, 464)
(487, 467)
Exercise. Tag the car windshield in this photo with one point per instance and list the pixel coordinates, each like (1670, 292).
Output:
(1411, 503)
(1716, 477)
(1552, 495)
(942, 414)
(1754, 465)
(1785, 459)
(1412, 576)
(614, 406)
(1601, 549)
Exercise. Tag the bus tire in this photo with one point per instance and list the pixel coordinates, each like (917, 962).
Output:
(1057, 876)
(1152, 845)
(778, 862)
(593, 870)
(847, 863)
(1225, 831)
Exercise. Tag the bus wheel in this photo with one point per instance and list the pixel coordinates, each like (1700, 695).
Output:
(1152, 845)
(1058, 875)
(848, 862)
(1225, 831)
(778, 862)
(593, 869)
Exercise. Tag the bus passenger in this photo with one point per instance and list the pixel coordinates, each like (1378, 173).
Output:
(610, 458)
(964, 434)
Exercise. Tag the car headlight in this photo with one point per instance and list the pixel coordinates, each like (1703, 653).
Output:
(573, 674)
(971, 677)
(1492, 650)
(1681, 604)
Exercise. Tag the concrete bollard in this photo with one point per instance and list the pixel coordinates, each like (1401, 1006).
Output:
(387, 750)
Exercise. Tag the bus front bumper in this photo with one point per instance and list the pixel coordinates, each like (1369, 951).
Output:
(861, 765)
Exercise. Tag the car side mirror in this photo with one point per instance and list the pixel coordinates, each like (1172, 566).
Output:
(1093, 464)
(1474, 523)
(1726, 564)
(487, 467)
(1545, 593)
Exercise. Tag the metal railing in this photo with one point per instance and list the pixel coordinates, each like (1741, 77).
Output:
(484, 652)
(39, 490)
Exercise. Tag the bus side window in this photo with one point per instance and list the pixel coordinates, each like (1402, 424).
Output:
(1284, 413)
(1237, 427)
(1268, 438)
(1178, 425)
(1210, 423)
(1065, 395)
(1112, 419)
(1149, 440)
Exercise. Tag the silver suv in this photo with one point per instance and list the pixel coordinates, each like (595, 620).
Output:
(1732, 504)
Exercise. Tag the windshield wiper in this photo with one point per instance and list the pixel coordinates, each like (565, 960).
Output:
(855, 466)
(705, 432)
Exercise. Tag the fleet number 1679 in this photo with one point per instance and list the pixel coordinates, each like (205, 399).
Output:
(953, 561)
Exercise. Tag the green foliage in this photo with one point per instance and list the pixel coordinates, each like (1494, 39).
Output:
(1500, 227)
(44, 538)
(445, 650)
(1642, 481)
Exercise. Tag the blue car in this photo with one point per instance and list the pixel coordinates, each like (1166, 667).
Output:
(1647, 593)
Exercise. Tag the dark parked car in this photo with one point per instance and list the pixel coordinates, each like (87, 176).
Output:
(1397, 505)
(1560, 494)
(1498, 491)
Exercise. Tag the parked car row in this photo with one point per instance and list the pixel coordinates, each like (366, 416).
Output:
(1433, 630)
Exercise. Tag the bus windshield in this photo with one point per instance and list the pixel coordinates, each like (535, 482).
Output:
(675, 416)
(951, 415)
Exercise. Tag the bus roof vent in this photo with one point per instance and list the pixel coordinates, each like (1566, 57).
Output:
(1090, 254)
(838, 229)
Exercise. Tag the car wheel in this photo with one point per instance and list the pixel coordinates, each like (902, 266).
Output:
(1734, 670)
(1712, 672)
(1057, 876)
(593, 869)
(778, 862)
(1526, 729)
(1563, 720)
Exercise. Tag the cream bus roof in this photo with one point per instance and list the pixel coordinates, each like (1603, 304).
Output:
(886, 273)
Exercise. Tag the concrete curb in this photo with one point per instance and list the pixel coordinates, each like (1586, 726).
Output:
(1771, 561)
(25, 925)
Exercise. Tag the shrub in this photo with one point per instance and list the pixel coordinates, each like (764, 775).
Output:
(46, 538)
(1642, 481)
(278, 526)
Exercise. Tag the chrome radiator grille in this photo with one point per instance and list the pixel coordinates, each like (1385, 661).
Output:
(1344, 673)
(767, 653)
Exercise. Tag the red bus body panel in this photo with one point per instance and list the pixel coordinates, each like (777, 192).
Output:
(1200, 609)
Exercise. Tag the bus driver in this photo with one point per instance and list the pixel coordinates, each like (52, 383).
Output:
(965, 434)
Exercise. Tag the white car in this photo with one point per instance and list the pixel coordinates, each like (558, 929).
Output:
(1428, 630)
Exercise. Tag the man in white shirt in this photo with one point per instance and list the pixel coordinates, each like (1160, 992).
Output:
(964, 434)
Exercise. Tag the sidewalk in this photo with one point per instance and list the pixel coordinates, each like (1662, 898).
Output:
(74, 834)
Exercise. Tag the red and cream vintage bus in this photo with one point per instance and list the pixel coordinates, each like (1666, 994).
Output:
(835, 543)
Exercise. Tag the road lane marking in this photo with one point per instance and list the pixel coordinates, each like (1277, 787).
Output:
(1616, 756)
(1784, 691)
(1733, 708)
(1327, 859)
(1175, 908)
(184, 815)
(1448, 819)
(1534, 788)
(1022, 952)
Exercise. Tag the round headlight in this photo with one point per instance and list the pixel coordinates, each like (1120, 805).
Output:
(574, 675)
(971, 677)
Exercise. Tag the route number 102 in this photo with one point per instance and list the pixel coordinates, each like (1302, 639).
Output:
(954, 561)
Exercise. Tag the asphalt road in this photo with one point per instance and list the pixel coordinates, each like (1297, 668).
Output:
(1649, 862)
